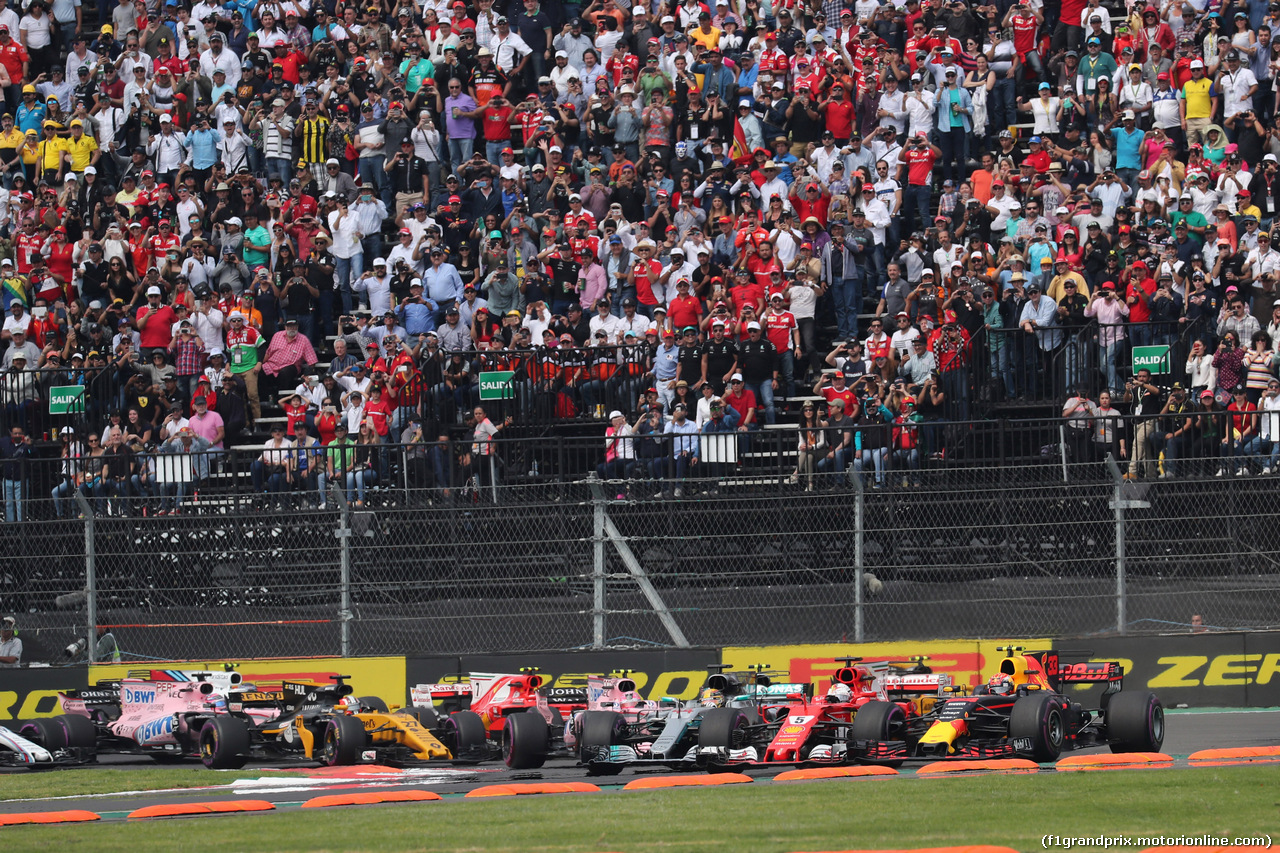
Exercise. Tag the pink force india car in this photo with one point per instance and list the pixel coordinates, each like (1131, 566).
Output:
(163, 714)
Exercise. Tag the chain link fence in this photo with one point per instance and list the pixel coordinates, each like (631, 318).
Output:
(542, 555)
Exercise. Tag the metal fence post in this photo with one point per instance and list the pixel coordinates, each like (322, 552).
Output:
(90, 576)
(343, 534)
(1119, 504)
(597, 568)
(859, 536)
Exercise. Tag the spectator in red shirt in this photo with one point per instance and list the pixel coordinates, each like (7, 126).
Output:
(917, 163)
(155, 321)
(830, 386)
(684, 309)
(497, 128)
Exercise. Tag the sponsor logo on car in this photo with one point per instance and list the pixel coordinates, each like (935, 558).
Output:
(154, 730)
(139, 695)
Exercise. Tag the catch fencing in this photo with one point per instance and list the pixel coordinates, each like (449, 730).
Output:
(545, 555)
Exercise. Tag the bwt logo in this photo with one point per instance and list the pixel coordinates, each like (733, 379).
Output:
(155, 730)
(134, 696)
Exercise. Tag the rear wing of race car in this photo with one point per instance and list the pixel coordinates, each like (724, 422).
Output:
(778, 692)
(916, 684)
(1106, 672)
(423, 695)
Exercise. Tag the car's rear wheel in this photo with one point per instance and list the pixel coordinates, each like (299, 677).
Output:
(426, 716)
(464, 734)
(78, 732)
(600, 729)
(1135, 722)
(344, 740)
(1039, 718)
(373, 703)
(224, 743)
(879, 721)
(524, 741)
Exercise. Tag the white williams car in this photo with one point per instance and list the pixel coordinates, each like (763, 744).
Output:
(17, 751)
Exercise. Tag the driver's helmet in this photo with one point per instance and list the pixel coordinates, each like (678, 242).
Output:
(839, 693)
(350, 704)
(1000, 684)
(711, 698)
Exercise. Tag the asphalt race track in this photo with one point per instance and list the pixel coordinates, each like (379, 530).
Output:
(1186, 732)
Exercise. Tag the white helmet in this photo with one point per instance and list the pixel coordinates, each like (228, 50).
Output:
(840, 693)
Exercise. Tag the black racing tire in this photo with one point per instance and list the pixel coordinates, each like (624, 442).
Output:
(344, 740)
(224, 743)
(46, 732)
(373, 703)
(1039, 716)
(524, 741)
(600, 728)
(464, 734)
(426, 716)
(1135, 722)
(879, 721)
(723, 728)
(78, 732)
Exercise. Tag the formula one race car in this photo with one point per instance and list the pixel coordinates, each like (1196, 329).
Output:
(172, 715)
(521, 716)
(325, 723)
(160, 713)
(1020, 712)
(680, 735)
(813, 729)
(18, 751)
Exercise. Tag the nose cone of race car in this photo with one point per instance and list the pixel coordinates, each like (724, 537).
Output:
(940, 739)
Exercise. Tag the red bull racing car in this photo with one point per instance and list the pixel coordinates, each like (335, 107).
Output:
(1021, 712)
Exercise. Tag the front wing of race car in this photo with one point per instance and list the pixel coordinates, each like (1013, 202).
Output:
(17, 751)
(877, 751)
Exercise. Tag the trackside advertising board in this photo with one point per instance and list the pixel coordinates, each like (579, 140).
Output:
(382, 676)
(966, 661)
(1197, 670)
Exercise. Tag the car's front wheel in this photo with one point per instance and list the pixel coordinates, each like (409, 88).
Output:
(1038, 718)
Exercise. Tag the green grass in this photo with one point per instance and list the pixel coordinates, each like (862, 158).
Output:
(106, 780)
(761, 817)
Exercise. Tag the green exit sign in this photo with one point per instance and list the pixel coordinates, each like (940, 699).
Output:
(496, 385)
(1155, 359)
(64, 399)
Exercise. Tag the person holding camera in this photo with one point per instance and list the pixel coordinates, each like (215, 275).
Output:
(10, 645)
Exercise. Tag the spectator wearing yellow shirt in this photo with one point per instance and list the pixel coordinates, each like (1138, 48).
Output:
(705, 34)
(1199, 102)
(11, 139)
(128, 193)
(82, 149)
(30, 153)
(49, 161)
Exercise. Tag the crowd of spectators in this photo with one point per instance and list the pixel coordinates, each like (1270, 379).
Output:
(884, 214)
